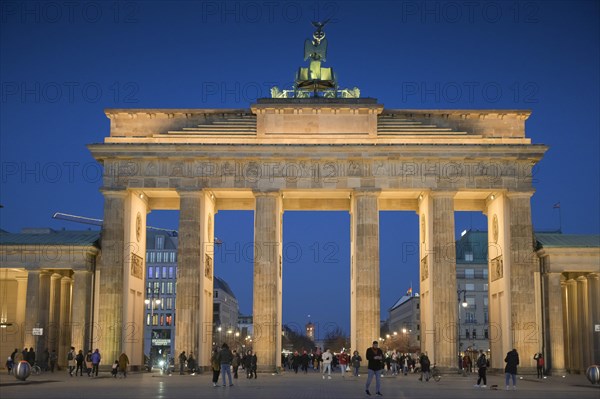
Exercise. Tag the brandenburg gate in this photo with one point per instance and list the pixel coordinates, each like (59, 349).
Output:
(336, 151)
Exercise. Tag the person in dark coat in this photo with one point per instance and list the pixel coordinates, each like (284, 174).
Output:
(375, 360)
(512, 361)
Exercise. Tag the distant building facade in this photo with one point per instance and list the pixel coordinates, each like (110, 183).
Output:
(472, 280)
(226, 311)
(404, 328)
(161, 279)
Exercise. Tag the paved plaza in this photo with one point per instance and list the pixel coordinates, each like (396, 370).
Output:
(286, 385)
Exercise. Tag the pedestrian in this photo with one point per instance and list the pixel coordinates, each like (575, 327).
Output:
(182, 361)
(425, 367)
(304, 360)
(31, 357)
(235, 363)
(512, 361)
(96, 362)
(327, 359)
(216, 366)
(79, 358)
(191, 363)
(344, 362)
(539, 363)
(482, 365)
(115, 369)
(9, 364)
(375, 364)
(71, 360)
(88, 363)
(123, 363)
(53, 360)
(251, 364)
(356, 359)
(225, 358)
(45, 360)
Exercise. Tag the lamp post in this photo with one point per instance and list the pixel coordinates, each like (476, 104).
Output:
(463, 304)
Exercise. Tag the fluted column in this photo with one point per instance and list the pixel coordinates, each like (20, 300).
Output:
(44, 310)
(32, 308)
(65, 320)
(365, 274)
(267, 280)
(594, 303)
(189, 273)
(574, 354)
(110, 305)
(584, 322)
(439, 307)
(54, 315)
(21, 306)
(525, 332)
(81, 309)
(554, 312)
(566, 321)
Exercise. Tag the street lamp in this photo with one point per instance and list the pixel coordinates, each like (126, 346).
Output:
(464, 304)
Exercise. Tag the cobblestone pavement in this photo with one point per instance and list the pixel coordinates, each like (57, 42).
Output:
(287, 385)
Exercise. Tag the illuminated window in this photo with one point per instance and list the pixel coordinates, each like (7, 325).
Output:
(150, 272)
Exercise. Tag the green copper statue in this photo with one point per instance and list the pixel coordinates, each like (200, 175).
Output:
(315, 79)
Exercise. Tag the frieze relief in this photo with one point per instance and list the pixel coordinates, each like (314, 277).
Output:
(251, 172)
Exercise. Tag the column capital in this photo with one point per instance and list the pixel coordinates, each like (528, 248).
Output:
(56, 276)
(582, 279)
(519, 194)
(267, 193)
(66, 280)
(593, 276)
(111, 192)
(441, 194)
(190, 193)
(365, 192)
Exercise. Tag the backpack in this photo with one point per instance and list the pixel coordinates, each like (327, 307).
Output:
(482, 362)
(70, 356)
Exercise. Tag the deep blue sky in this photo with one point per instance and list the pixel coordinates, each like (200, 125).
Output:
(62, 64)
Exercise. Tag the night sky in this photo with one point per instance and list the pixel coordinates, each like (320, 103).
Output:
(62, 63)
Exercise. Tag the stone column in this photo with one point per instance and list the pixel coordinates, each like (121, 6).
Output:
(54, 316)
(554, 312)
(44, 311)
(594, 302)
(566, 322)
(584, 323)
(524, 326)
(65, 320)
(267, 280)
(439, 312)
(21, 306)
(32, 307)
(81, 309)
(110, 305)
(189, 273)
(574, 353)
(364, 275)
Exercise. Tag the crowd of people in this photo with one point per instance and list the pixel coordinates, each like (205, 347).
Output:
(226, 363)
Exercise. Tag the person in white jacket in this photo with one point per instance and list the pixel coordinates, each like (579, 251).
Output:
(327, 357)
